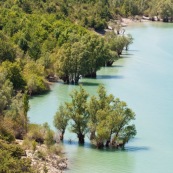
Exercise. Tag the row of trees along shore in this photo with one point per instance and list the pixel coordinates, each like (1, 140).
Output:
(106, 119)
(38, 45)
(43, 39)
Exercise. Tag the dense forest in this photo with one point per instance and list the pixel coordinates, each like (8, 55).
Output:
(43, 40)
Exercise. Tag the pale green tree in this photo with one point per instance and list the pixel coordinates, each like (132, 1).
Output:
(61, 120)
(77, 112)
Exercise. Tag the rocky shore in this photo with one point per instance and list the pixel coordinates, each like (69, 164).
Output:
(44, 161)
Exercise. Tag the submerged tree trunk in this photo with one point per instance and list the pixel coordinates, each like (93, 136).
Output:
(81, 138)
(165, 19)
(91, 75)
(100, 145)
(109, 140)
(65, 79)
(92, 136)
(108, 143)
(62, 135)
(76, 80)
(109, 63)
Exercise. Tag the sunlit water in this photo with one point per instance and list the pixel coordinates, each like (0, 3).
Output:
(144, 79)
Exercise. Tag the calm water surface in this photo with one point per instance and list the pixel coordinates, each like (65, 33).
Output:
(144, 79)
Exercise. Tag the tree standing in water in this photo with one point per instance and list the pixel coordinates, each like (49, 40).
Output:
(61, 120)
(104, 117)
(77, 113)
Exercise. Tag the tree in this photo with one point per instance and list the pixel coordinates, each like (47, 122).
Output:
(77, 112)
(128, 40)
(118, 42)
(109, 120)
(70, 63)
(49, 135)
(7, 51)
(17, 114)
(34, 76)
(61, 120)
(13, 73)
(123, 131)
(98, 110)
(106, 119)
(6, 92)
(96, 54)
(11, 159)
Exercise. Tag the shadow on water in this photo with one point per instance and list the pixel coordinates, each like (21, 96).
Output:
(118, 66)
(124, 56)
(127, 54)
(109, 77)
(136, 149)
(39, 95)
(106, 149)
(75, 143)
(89, 84)
(70, 142)
(133, 50)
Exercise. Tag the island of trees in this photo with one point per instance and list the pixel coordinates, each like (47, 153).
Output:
(105, 118)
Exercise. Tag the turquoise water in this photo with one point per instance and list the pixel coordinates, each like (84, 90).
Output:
(144, 79)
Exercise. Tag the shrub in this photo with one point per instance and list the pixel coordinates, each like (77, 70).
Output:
(36, 132)
(5, 133)
(56, 149)
(49, 138)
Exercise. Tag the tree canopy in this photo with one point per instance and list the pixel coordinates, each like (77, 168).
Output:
(42, 39)
(106, 119)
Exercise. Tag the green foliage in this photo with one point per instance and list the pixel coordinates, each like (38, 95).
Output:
(61, 120)
(5, 133)
(13, 111)
(16, 115)
(105, 118)
(78, 114)
(6, 91)
(55, 149)
(13, 73)
(36, 132)
(11, 161)
(49, 136)
(114, 116)
(7, 51)
(41, 134)
(34, 76)
(41, 155)
(51, 41)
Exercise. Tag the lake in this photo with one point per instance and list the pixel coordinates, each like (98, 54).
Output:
(144, 79)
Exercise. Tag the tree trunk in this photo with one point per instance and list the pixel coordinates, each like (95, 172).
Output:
(100, 145)
(165, 19)
(109, 140)
(108, 143)
(76, 80)
(81, 138)
(109, 63)
(62, 135)
(91, 75)
(92, 136)
(65, 79)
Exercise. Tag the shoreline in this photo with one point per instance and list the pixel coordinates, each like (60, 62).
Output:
(42, 161)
